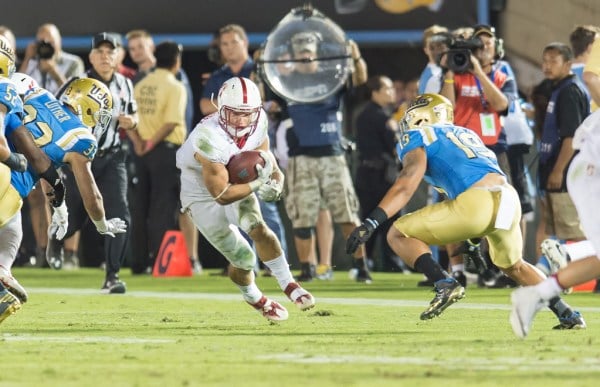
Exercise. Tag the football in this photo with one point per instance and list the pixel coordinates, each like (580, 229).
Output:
(242, 167)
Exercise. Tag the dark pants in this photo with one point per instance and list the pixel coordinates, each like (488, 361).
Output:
(156, 203)
(110, 173)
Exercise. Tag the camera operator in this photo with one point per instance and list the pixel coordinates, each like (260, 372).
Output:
(479, 93)
(45, 61)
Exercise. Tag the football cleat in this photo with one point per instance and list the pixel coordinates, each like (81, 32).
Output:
(526, 302)
(270, 309)
(299, 296)
(573, 321)
(363, 275)
(324, 272)
(9, 304)
(113, 286)
(12, 285)
(448, 291)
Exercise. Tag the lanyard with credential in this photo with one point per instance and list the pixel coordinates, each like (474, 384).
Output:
(484, 102)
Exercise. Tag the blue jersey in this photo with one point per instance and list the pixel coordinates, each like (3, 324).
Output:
(56, 131)
(456, 156)
(10, 98)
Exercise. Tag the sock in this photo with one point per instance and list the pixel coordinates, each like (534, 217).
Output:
(426, 265)
(549, 288)
(459, 267)
(281, 270)
(251, 293)
(544, 265)
(559, 307)
(360, 263)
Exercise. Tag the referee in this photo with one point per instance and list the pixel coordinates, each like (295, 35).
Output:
(108, 167)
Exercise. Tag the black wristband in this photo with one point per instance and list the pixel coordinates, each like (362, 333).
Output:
(378, 215)
(51, 176)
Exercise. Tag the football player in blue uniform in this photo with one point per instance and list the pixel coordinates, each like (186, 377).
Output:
(481, 204)
(11, 114)
(67, 132)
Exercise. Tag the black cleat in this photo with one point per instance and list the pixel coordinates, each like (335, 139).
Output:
(364, 276)
(572, 321)
(113, 286)
(448, 291)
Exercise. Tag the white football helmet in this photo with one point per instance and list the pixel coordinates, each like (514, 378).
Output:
(24, 83)
(239, 96)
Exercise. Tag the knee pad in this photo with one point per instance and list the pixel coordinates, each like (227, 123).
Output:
(303, 232)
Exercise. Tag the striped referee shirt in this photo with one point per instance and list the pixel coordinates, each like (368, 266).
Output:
(123, 103)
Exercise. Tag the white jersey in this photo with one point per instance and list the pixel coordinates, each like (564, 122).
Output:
(214, 144)
(587, 138)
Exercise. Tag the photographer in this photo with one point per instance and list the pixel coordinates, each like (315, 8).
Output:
(46, 62)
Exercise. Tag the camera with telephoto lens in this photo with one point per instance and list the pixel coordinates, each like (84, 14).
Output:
(458, 57)
(45, 50)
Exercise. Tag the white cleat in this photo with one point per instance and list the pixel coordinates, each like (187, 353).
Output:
(270, 309)
(526, 302)
(299, 296)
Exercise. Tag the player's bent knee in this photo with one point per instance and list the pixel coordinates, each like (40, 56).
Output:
(303, 232)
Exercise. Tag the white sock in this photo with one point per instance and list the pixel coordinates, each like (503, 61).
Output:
(459, 267)
(251, 293)
(281, 270)
(580, 250)
(549, 288)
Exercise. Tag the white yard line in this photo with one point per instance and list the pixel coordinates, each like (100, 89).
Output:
(472, 363)
(86, 339)
(463, 304)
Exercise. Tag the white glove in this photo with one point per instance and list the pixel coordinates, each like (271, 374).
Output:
(60, 222)
(110, 227)
(270, 191)
(264, 172)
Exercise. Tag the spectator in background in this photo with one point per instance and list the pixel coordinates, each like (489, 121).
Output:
(582, 38)
(377, 160)
(108, 167)
(591, 72)
(430, 80)
(317, 168)
(126, 71)
(141, 50)
(47, 63)
(50, 66)
(162, 101)
(567, 108)
(233, 44)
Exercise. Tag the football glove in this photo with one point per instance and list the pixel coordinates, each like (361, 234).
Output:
(360, 235)
(59, 223)
(270, 191)
(16, 162)
(111, 227)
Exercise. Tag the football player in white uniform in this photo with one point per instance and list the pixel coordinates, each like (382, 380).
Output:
(219, 209)
(583, 183)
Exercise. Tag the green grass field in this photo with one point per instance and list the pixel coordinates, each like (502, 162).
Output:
(198, 332)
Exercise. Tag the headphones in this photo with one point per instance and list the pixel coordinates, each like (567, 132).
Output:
(499, 43)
